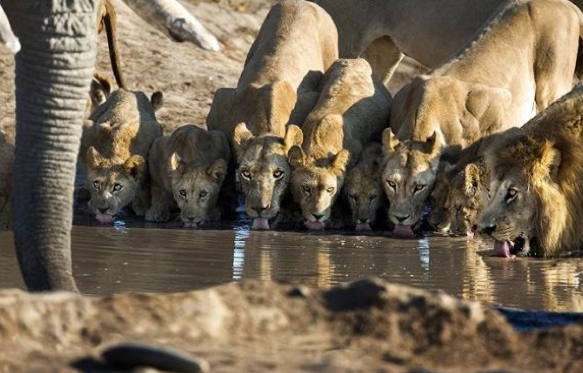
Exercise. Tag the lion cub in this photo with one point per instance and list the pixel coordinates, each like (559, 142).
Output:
(520, 61)
(363, 190)
(115, 145)
(353, 109)
(6, 168)
(188, 169)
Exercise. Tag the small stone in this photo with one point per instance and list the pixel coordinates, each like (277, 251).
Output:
(132, 355)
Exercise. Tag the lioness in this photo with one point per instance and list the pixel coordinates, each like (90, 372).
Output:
(115, 143)
(523, 59)
(6, 169)
(188, 169)
(537, 200)
(353, 109)
(427, 30)
(295, 45)
(363, 190)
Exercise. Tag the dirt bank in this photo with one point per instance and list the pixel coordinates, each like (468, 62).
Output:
(367, 326)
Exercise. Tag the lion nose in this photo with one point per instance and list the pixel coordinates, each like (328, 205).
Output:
(102, 210)
(402, 218)
(260, 209)
(489, 229)
(317, 217)
(362, 221)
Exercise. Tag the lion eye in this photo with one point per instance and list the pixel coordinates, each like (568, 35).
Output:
(96, 185)
(330, 190)
(182, 192)
(203, 194)
(117, 187)
(392, 184)
(511, 194)
(306, 189)
(277, 174)
(246, 174)
(419, 187)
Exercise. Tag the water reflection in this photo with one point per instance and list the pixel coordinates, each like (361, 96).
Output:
(165, 258)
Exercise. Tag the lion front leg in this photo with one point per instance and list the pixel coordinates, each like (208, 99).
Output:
(141, 201)
(160, 208)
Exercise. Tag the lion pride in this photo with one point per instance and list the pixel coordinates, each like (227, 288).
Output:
(297, 42)
(536, 205)
(352, 110)
(520, 61)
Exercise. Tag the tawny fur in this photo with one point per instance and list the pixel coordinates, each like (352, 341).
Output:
(352, 110)
(543, 165)
(521, 60)
(188, 170)
(115, 146)
(295, 45)
(363, 190)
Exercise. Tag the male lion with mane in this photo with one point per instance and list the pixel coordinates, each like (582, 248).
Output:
(537, 200)
(188, 170)
(352, 110)
(523, 59)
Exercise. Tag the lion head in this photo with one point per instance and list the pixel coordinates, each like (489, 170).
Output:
(363, 190)
(196, 189)
(112, 184)
(536, 200)
(408, 173)
(264, 172)
(316, 185)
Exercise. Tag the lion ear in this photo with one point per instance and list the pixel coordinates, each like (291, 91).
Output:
(390, 141)
(175, 161)
(434, 142)
(340, 162)
(550, 162)
(92, 158)
(293, 137)
(241, 139)
(296, 156)
(218, 170)
(135, 166)
(157, 100)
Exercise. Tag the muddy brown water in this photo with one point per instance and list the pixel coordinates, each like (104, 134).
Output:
(133, 256)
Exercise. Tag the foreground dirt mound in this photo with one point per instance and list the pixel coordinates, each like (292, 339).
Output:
(368, 326)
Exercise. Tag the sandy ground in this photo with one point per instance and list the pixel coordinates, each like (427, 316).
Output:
(187, 75)
(367, 326)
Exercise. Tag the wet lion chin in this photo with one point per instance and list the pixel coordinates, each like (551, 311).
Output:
(314, 225)
(260, 224)
(403, 231)
(362, 227)
(104, 218)
(502, 249)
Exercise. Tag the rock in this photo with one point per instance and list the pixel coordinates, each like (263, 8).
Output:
(132, 355)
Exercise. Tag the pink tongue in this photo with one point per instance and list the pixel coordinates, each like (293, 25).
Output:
(502, 249)
(104, 218)
(404, 231)
(362, 227)
(314, 225)
(259, 223)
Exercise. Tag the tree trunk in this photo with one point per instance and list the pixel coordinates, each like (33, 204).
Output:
(53, 73)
